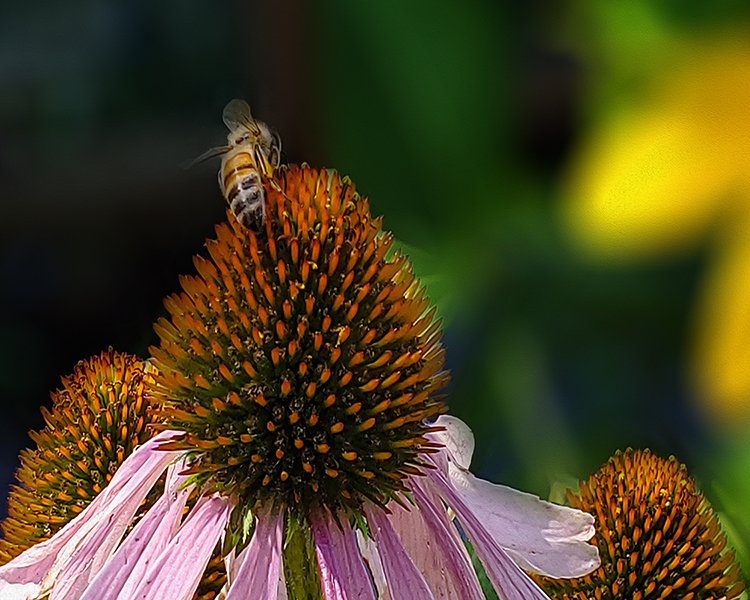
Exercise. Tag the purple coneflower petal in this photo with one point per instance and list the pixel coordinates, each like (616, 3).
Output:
(125, 570)
(281, 594)
(255, 572)
(177, 570)
(540, 536)
(19, 591)
(404, 579)
(507, 578)
(457, 439)
(369, 552)
(433, 542)
(343, 573)
(69, 560)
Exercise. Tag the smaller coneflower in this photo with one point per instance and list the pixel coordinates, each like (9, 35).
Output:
(98, 417)
(300, 377)
(656, 533)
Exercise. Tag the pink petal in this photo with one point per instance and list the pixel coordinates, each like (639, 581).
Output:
(435, 547)
(149, 537)
(256, 570)
(507, 578)
(369, 552)
(19, 591)
(66, 559)
(404, 580)
(281, 592)
(176, 572)
(457, 439)
(77, 564)
(342, 572)
(540, 536)
(282, 587)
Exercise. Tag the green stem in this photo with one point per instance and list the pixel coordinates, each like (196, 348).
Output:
(300, 564)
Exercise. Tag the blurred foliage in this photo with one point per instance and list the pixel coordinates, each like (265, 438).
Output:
(731, 489)
(559, 360)
(658, 179)
(472, 114)
(486, 133)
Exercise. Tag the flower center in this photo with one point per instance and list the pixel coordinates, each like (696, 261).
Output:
(98, 416)
(657, 535)
(301, 362)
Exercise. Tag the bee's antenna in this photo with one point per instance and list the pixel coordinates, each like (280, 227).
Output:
(211, 153)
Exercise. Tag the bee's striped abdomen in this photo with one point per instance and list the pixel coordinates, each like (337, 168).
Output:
(243, 189)
(237, 166)
(252, 154)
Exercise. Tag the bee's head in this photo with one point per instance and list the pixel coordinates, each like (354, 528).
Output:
(239, 136)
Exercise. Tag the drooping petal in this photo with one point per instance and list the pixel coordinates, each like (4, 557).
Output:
(343, 574)
(403, 577)
(507, 578)
(176, 572)
(540, 536)
(77, 564)
(19, 591)
(149, 537)
(68, 560)
(435, 547)
(255, 572)
(281, 594)
(369, 552)
(457, 438)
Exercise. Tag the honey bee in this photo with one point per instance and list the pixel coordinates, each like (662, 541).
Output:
(253, 152)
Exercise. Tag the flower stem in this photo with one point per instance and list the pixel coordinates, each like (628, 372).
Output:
(300, 563)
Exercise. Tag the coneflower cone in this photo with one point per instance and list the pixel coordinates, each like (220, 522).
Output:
(298, 382)
(97, 417)
(657, 535)
(302, 361)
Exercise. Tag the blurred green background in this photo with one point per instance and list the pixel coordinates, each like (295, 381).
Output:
(570, 179)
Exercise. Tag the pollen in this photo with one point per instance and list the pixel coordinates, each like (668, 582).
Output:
(657, 536)
(298, 341)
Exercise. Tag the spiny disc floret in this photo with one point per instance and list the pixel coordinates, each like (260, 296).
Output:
(656, 533)
(98, 416)
(301, 362)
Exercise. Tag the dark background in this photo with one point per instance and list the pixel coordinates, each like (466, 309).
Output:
(458, 120)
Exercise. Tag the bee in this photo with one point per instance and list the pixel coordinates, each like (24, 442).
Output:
(252, 153)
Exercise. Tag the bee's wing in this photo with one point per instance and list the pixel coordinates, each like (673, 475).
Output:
(274, 155)
(237, 114)
(210, 153)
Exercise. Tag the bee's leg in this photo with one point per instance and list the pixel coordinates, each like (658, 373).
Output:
(221, 182)
(274, 156)
(255, 217)
(262, 162)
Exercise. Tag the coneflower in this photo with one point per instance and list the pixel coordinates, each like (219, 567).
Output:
(99, 415)
(657, 536)
(299, 381)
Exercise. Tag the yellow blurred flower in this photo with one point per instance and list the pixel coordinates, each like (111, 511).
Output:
(662, 174)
